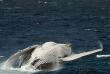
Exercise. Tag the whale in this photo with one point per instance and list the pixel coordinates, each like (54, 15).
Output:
(48, 55)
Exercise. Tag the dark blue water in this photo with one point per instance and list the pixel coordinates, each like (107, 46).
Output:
(83, 23)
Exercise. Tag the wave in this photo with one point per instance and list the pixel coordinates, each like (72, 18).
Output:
(100, 56)
(1, 56)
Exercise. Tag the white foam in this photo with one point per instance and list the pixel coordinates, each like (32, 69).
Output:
(99, 56)
(25, 68)
(1, 56)
(9, 67)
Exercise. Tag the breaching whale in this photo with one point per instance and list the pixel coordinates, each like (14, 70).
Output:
(48, 55)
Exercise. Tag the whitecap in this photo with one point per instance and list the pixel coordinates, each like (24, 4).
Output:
(1, 56)
(100, 56)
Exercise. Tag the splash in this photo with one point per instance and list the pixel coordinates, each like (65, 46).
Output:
(101, 56)
(100, 44)
(26, 68)
(9, 67)
(23, 69)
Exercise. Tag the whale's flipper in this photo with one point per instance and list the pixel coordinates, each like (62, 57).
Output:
(21, 52)
(76, 56)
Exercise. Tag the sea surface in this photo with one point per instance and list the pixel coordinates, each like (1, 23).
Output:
(83, 23)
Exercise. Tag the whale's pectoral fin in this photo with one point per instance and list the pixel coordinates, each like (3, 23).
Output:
(21, 52)
(76, 56)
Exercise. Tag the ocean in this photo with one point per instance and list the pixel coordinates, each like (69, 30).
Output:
(83, 23)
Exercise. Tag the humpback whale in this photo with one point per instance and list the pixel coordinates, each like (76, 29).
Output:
(48, 55)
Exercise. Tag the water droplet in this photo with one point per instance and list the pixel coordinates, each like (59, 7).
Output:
(45, 2)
